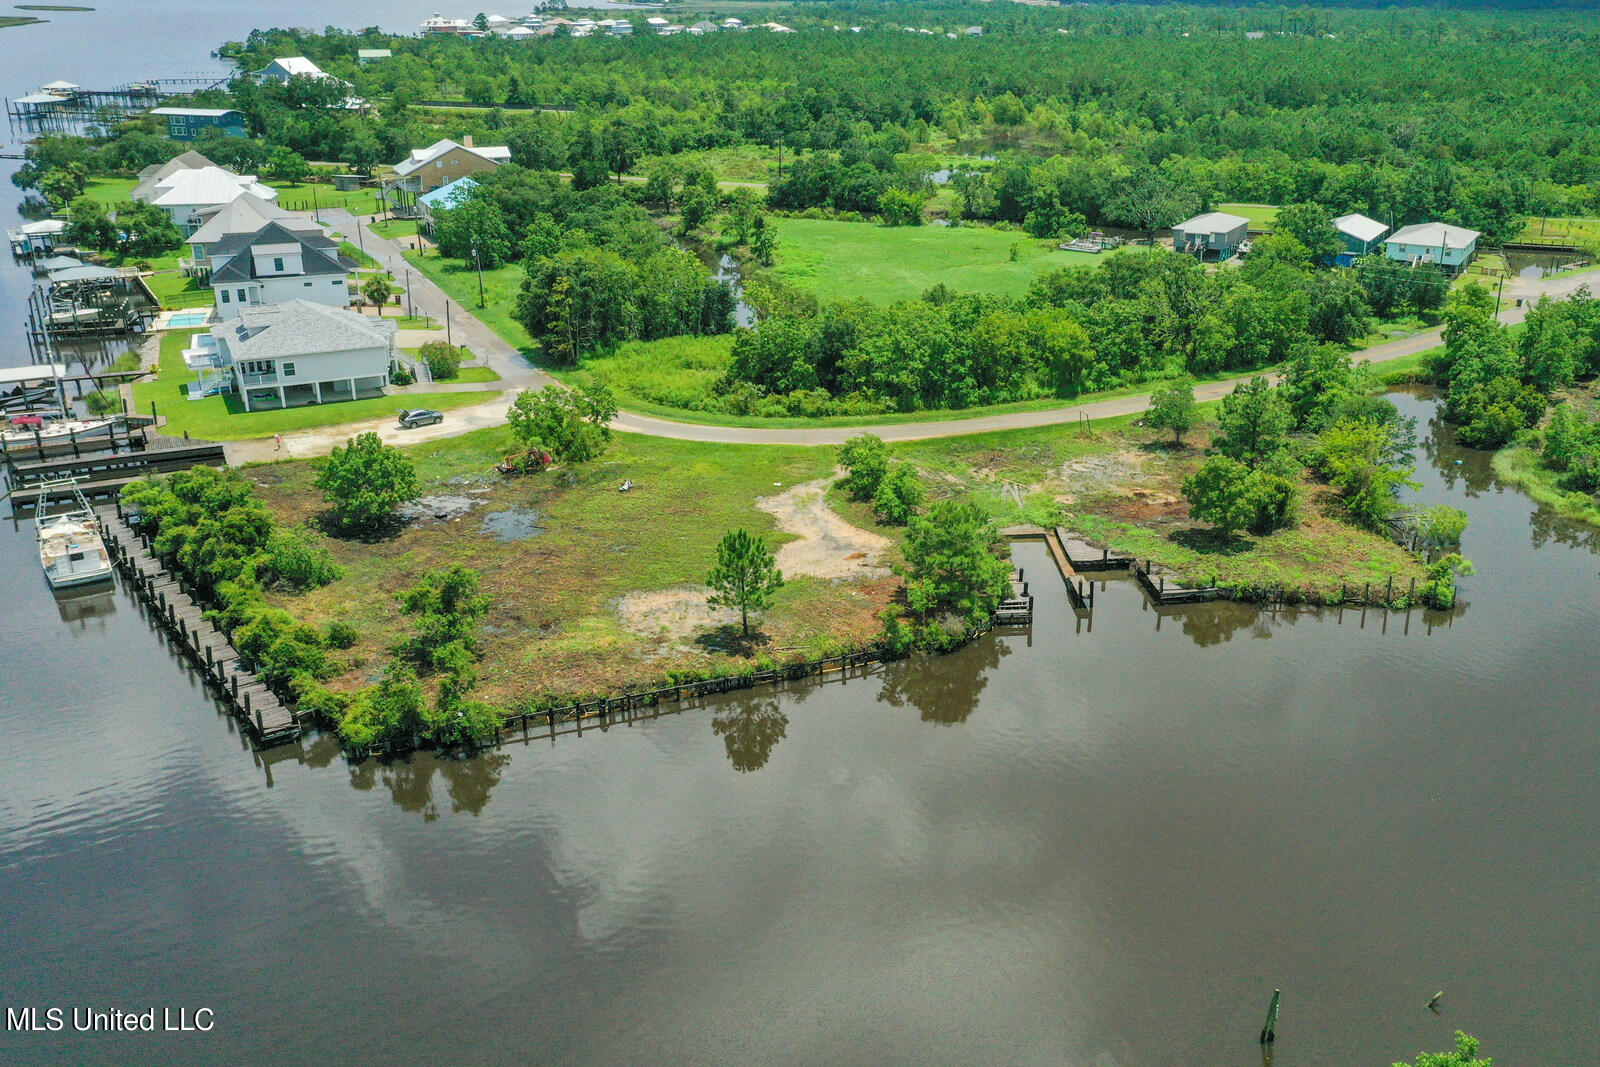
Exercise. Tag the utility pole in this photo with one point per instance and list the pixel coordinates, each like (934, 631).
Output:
(447, 338)
(476, 262)
(1269, 1029)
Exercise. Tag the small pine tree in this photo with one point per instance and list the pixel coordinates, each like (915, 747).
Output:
(745, 576)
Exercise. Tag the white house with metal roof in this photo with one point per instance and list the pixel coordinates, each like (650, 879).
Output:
(1215, 232)
(276, 265)
(1439, 243)
(190, 196)
(288, 355)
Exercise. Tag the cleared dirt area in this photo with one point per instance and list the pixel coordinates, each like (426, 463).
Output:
(826, 546)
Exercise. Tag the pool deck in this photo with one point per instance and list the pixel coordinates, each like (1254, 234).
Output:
(184, 319)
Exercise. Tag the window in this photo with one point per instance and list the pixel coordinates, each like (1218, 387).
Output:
(223, 293)
(240, 295)
(306, 284)
(277, 264)
(288, 370)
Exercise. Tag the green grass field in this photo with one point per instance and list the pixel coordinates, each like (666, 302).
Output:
(1584, 233)
(865, 261)
(394, 228)
(109, 191)
(304, 196)
(176, 290)
(218, 418)
(1261, 216)
(500, 288)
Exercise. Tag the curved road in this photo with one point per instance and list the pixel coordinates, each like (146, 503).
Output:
(429, 299)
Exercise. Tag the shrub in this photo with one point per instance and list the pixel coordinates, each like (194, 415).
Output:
(103, 402)
(294, 562)
(341, 634)
(899, 496)
(365, 481)
(443, 360)
(866, 457)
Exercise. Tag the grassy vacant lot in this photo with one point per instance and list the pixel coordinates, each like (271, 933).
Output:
(558, 621)
(394, 228)
(304, 196)
(500, 288)
(177, 290)
(218, 418)
(1261, 216)
(1585, 233)
(732, 164)
(1120, 486)
(866, 261)
(109, 190)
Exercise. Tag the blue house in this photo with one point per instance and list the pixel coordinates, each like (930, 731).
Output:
(443, 198)
(1438, 243)
(1358, 235)
(185, 123)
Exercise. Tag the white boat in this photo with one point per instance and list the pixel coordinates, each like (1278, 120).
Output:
(25, 429)
(70, 548)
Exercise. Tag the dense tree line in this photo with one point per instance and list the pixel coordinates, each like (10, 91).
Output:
(1134, 317)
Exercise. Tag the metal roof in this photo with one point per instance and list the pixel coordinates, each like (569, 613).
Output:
(1213, 222)
(1433, 235)
(1360, 227)
(197, 112)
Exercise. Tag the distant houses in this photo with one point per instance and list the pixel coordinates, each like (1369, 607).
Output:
(1438, 243)
(1216, 234)
(364, 56)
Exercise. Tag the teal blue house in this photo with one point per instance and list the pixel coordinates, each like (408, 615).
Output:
(185, 123)
(1439, 243)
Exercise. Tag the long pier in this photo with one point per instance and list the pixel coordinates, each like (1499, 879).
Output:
(103, 475)
(269, 719)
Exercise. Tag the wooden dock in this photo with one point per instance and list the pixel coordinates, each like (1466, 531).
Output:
(101, 476)
(1083, 556)
(269, 720)
(1159, 587)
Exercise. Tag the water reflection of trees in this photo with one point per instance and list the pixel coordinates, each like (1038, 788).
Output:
(1546, 526)
(750, 731)
(1216, 623)
(469, 779)
(945, 689)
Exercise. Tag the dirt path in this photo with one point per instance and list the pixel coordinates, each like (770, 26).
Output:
(828, 546)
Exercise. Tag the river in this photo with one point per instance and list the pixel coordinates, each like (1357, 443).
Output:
(1100, 845)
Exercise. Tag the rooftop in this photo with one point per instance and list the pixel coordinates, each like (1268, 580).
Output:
(298, 328)
(1434, 235)
(1360, 227)
(318, 255)
(197, 112)
(1213, 222)
(421, 157)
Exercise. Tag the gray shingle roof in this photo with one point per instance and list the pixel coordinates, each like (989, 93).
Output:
(318, 255)
(300, 328)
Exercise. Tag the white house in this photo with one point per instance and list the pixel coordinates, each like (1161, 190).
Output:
(287, 355)
(372, 55)
(285, 67)
(276, 265)
(1216, 231)
(245, 216)
(440, 24)
(155, 172)
(189, 196)
(1438, 243)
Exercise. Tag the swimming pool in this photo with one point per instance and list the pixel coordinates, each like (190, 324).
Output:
(193, 318)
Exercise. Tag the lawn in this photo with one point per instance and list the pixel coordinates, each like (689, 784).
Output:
(349, 248)
(500, 288)
(1261, 216)
(109, 191)
(177, 290)
(866, 261)
(734, 164)
(394, 228)
(1584, 233)
(306, 196)
(218, 418)
(556, 620)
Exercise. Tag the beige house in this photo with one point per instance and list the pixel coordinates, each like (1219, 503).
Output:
(441, 163)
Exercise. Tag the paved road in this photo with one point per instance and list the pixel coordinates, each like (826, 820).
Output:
(517, 374)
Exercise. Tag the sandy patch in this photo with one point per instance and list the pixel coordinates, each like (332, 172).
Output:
(828, 547)
(672, 613)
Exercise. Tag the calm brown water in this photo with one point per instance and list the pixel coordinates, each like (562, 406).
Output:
(1099, 845)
